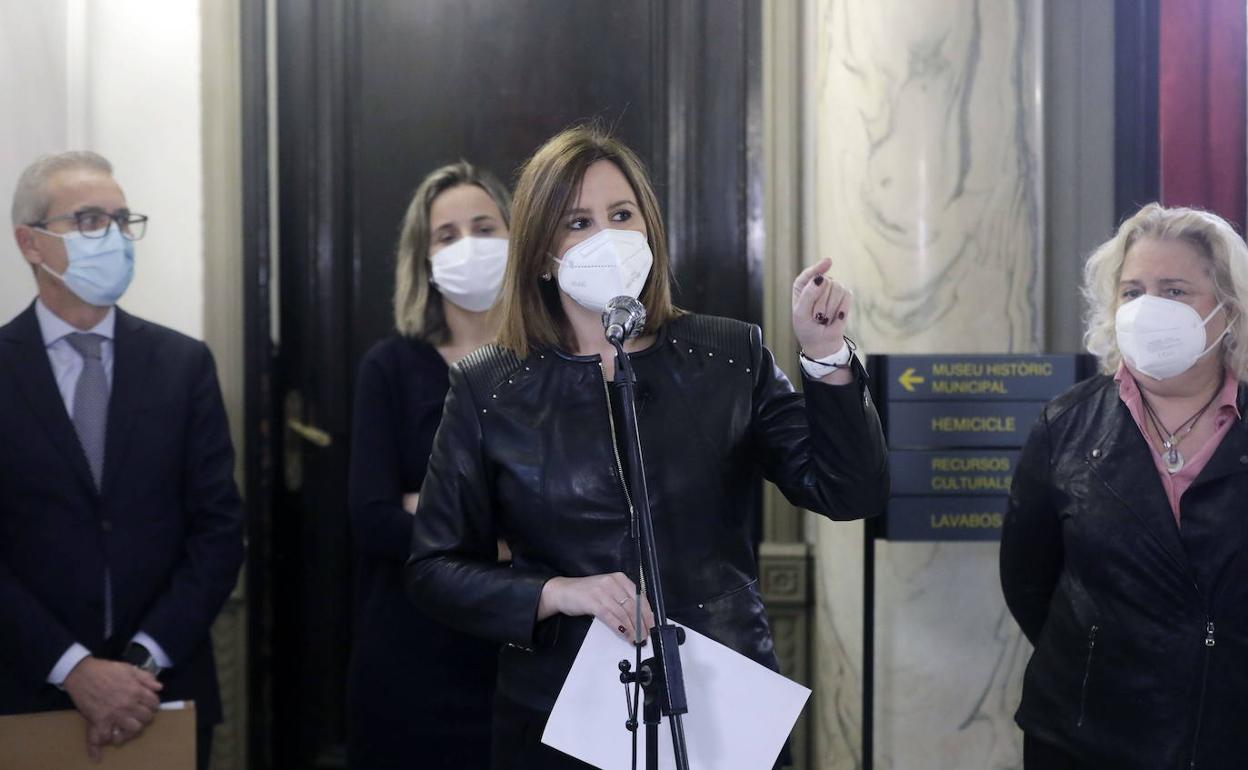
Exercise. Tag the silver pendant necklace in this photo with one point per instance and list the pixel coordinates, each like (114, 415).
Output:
(1171, 457)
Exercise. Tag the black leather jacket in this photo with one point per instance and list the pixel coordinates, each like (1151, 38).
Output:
(1140, 626)
(525, 452)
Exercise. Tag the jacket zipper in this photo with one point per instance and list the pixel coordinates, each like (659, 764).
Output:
(1209, 639)
(1204, 683)
(1087, 674)
(619, 470)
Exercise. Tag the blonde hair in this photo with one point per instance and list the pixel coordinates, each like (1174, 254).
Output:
(417, 302)
(1211, 236)
(532, 315)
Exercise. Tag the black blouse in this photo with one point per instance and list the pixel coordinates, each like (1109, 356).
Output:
(405, 666)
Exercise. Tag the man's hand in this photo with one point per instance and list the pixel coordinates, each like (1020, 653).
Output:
(117, 699)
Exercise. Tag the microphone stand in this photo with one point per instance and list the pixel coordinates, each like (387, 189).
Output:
(661, 676)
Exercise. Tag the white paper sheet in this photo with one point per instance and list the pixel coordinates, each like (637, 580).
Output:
(740, 713)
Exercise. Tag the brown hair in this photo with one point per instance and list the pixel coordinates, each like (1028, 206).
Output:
(532, 315)
(417, 302)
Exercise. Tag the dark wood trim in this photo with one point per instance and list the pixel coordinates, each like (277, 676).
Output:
(712, 186)
(754, 235)
(659, 110)
(353, 132)
(258, 371)
(1137, 157)
(317, 58)
(679, 146)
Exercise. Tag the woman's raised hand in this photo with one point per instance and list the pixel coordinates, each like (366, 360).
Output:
(821, 309)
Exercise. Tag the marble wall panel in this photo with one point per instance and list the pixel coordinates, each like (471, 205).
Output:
(924, 183)
(32, 88)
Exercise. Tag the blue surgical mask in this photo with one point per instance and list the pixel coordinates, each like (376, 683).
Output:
(100, 269)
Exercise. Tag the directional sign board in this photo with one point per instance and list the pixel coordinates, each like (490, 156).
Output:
(961, 423)
(955, 425)
(979, 377)
(958, 472)
(946, 518)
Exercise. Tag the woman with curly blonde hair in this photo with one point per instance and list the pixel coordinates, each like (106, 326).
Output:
(1123, 552)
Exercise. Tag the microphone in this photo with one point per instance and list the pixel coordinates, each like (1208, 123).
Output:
(623, 318)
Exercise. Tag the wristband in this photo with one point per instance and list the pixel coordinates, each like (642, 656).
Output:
(818, 368)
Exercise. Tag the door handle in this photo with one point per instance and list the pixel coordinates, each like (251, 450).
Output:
(310, 433)
(297, 432)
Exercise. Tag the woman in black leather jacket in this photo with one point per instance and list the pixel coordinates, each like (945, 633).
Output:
(1122, 555)
(526, 451)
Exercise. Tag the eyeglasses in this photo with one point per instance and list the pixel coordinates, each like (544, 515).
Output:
(95, 223)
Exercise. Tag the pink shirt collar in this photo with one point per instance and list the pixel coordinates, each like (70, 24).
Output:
(1226, 411)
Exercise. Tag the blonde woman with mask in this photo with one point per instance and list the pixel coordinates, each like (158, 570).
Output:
(418, 691)
(1123, 553)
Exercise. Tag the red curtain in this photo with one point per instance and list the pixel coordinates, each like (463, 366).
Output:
(1202, 71)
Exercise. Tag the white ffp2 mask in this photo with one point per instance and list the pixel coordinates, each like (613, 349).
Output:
(469, 272)
(608, 264)
(1162, 338)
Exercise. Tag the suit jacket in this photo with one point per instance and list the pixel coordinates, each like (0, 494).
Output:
(167, 520)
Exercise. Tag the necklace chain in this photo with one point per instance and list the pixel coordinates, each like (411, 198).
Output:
(1174, 460)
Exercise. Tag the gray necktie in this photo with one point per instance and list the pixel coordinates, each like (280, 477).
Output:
(91, 402)
(91, 423)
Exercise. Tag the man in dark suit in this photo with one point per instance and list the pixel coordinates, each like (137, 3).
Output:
(120, 522)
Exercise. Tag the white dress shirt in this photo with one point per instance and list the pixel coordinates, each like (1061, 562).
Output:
(66, 368)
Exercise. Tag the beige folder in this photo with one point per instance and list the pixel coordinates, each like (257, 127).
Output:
(57, 740)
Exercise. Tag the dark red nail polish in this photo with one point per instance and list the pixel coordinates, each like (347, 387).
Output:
(622, 629)
(818, 280)
(840, 316)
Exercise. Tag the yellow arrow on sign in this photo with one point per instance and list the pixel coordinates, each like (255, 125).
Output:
(909, 379)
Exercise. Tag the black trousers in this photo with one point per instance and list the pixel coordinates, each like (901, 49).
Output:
(203, 747)
(1039, 755)
(517, 740)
